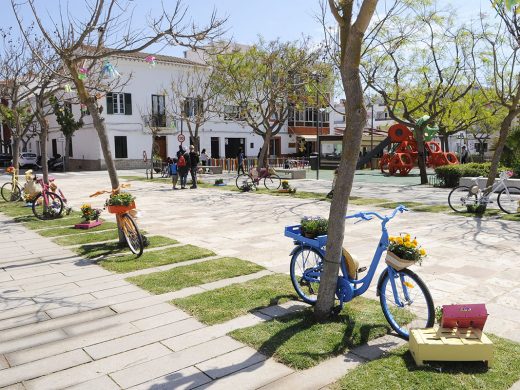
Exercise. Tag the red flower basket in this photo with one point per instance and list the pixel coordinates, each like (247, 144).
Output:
(120, 209)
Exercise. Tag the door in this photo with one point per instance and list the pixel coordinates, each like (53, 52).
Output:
(160, 147)
(233, 145)
(215, 147)
(275, 147)
(54, 147)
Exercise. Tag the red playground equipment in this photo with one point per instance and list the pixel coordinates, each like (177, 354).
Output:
(404, 154)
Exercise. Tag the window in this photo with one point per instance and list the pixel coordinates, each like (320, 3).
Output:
(158, 111)
(120, 146)
(308, 117)
(119, 103)
(193, 106)
(233, 113)
(484, 147)
(381, 116)
(70, 147)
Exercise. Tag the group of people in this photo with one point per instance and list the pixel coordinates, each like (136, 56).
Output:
(186, 162)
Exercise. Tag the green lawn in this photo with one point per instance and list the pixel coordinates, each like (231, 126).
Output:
(438, 208)
(232, 301)
(366, 201)
(128, 263)
(195, 274)
(393, 205)
(91, 251)
(15, 209)
(511, 217)
(300, 342)
(87, 238)
(71, 230)
(397, 370)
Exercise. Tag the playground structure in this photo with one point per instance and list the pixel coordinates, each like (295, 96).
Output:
(404, 153)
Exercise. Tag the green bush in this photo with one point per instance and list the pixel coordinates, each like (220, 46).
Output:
(449, 175)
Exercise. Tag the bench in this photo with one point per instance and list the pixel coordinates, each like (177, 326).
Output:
(468, 182)
(293, 172)
(214, 169)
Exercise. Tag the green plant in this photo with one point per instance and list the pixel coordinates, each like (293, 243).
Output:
(219, 181)
(438, 314)
(286, 185)
(478, 209)
(449, 175)
(88, 213)
(246, 187)
(315, 226)
(404, 247)
(121, 199)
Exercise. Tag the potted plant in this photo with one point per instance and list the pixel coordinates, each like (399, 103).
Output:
(313, 227)
(219, 182)
(120, 203)
(478, 209)
(246, 187)
(90, 216)
(404, 252)
(286, 188)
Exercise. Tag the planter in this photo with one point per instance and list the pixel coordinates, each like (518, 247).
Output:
(396, 262)
(476, 209)
(120, 209)
(87, 224)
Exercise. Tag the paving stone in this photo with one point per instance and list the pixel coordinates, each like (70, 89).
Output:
(230, 362)
(374, 349)
(139, 339)
(238, 279)
(137, 303)
(23, 320)
(185, 292)
(42, 367)
(3, 362)
(27, 330)
(160, 320)
(32, 341)
(174, 362)
(69, 344)
(125, 289)
(17, 386)
(284, 309)
(516, 386)
(252, 377)
(187, 378)
(15, 303)
(94, 369)
(101, 383)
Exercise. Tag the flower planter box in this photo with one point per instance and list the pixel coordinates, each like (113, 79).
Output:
(396, 262)
(120, 209)
(87, 224)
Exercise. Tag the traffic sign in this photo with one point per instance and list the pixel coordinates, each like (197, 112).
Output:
(181, 138)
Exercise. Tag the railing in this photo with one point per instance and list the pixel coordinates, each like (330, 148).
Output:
(231, 164)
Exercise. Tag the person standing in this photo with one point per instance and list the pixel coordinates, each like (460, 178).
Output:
(193, 162)
(204, 158)
(182, 169)
(241, 158)
(464, 155)
(180, 152)
(174, 173)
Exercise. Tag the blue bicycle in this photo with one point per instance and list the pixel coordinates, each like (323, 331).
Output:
(405, 300)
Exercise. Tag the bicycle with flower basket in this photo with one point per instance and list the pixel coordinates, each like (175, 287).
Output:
(121, 204)
(405, 299)
(11, 191)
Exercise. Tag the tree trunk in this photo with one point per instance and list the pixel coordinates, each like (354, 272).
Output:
(43, 148)
(421, 158)
(67, 151)
(356, 115)
(262, 159)
(152, 154)
(505, 126)
(16, 152)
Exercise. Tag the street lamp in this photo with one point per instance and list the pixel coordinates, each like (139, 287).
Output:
(317, 77)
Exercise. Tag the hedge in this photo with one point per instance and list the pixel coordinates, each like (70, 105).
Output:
(449, 175)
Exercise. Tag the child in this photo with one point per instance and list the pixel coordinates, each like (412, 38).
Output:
(173, 173)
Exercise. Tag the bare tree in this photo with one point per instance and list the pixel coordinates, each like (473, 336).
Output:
(18, 72)
(423, 66)
(263, 83)
(352, 26)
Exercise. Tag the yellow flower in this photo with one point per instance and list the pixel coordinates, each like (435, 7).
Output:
(422, 251)
(414, 242)
(413, 245)
(407, 238)
(399, 240)
(391, 239)
(407, 244)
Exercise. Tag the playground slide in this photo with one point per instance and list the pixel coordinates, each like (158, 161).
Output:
(373, 153)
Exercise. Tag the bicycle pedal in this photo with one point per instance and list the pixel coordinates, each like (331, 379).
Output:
(362, 269)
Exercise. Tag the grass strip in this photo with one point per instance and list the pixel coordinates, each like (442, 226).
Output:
(437, 208)
(87, 238)
(300, 342)
(235, 300)
(91, 251)
(195, 274)
(397, 370)
(393, 205)
(32, 222)
(71, 230)
(15, 209)
(511, 217)
(128, 263)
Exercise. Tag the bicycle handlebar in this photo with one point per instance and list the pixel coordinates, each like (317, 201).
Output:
(367, 216)
(113, 191)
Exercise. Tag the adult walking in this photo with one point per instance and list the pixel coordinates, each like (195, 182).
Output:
(241, 157)
(194, 162)
(464, 155)
(183, 167)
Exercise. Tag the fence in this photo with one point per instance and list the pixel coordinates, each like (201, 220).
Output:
(231, 164)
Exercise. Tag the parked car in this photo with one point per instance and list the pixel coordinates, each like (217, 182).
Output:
(28, 160)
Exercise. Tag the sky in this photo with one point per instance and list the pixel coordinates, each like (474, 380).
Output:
(247, 19)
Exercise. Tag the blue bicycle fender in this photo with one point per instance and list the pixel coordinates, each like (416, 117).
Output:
(380, 281)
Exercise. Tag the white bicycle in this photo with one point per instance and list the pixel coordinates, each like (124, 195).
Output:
(508, 197)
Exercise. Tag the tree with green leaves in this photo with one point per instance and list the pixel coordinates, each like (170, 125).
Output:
(260, 85)
(68, 124)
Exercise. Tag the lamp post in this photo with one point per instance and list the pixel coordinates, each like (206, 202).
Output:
(317, 78)
(371, 132)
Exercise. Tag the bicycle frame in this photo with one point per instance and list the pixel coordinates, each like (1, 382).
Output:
(495, 187)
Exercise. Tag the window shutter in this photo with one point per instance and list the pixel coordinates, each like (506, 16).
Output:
(128, 104)
(200, 106)
(110, 103)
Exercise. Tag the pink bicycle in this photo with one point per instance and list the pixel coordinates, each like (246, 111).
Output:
(48, 204)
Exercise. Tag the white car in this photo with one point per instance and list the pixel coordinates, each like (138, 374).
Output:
(28, 160)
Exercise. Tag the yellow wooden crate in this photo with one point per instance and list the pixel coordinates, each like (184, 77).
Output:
(445, 344)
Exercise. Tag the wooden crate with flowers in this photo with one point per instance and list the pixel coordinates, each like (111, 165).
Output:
(403, 252)
(90, 217)
(286, 188)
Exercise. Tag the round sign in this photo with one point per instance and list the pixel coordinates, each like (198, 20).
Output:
(181, 138)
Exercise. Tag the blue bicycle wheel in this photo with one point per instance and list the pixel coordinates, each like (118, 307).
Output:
(413, 307)
(306, 267)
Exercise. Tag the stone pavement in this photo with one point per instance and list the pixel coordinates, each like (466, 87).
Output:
(66, 320)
